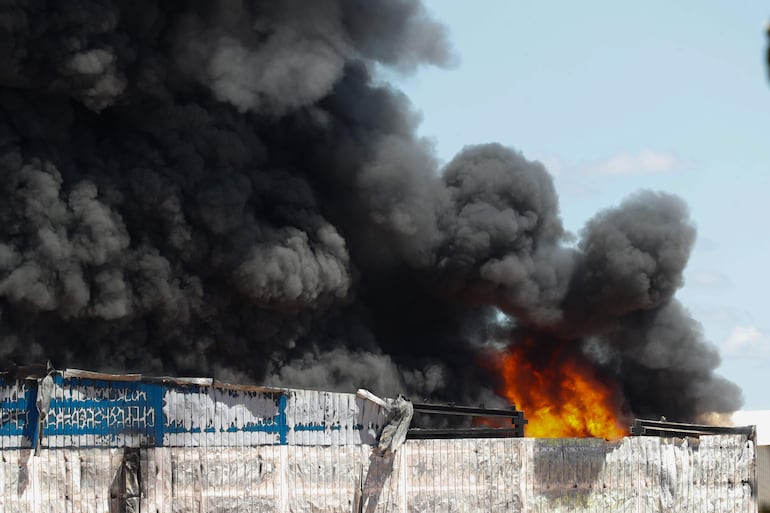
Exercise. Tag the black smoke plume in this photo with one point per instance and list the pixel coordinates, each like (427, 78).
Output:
(225, 188)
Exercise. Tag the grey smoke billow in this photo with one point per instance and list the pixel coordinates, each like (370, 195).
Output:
(223, 188)
(631, 258)
(667, 365)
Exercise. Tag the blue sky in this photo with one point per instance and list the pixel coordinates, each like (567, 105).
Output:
(613, 97)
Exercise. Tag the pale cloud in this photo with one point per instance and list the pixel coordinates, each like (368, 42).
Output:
(706, 243)
(640, 163)
(554, 164)
(719, 313)
(746, 339)
(569, 178)
(626, 163)
(708, 279)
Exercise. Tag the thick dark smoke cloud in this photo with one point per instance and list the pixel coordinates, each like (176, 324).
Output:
(223, 188)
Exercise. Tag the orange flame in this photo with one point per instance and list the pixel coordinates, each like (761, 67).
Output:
(560, 396)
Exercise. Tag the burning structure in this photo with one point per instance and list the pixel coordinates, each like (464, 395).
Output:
(227, 189)
(81, 441)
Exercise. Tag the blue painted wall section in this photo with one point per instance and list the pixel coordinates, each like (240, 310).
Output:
(99, 413)
(16, 418)
(104, 410)
(281, 418)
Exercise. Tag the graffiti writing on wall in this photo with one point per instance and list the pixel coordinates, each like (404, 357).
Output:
(85, 412)
(14, 415)
(99, 419)
(12, 422)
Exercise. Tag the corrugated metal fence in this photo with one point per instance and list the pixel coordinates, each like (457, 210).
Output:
(204, 448)
(102, 412)
(763, 477)
(514, 475)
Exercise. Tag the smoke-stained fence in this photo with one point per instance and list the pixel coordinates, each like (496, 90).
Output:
(87, 410)
(128, 443)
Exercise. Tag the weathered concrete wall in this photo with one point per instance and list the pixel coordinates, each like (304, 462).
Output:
(714, 474)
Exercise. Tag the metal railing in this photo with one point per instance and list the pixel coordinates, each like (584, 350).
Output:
(645, 427)
(515, 431)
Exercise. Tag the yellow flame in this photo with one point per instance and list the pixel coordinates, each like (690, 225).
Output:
(563, 399)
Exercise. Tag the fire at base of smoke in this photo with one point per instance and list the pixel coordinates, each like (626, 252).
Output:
(223, 189)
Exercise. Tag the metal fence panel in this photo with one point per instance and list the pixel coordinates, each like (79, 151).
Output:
(169, 446)
(86, 412)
